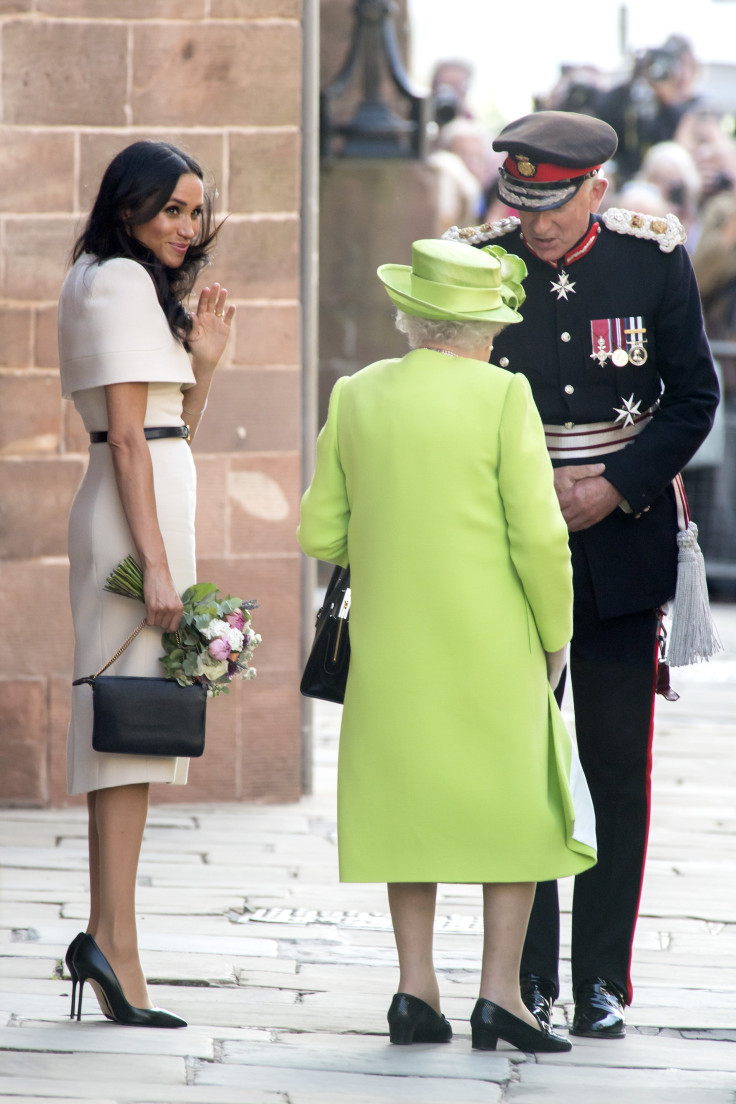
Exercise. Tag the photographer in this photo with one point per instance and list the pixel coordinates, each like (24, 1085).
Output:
(450, 83)
(648, 107)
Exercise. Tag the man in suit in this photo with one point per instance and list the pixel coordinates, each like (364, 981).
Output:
(613, 346)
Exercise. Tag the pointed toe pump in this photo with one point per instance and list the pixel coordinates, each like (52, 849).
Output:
(69, 959)
(91, 965)
(489, 1023)
(411, 1020)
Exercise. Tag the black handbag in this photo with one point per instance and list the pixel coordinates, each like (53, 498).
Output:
(146, 716)
(326, 669)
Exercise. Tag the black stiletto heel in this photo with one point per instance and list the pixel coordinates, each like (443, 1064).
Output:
(69, 959)
(489, 1023)
(91, 965)
(411, 1020)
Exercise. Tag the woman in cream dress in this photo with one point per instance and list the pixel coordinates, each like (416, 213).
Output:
(132, 360)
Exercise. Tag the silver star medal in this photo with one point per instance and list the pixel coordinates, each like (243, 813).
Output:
(563, 287)
(628, 411)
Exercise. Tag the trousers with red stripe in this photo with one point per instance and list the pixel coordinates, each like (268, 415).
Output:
(612, 671)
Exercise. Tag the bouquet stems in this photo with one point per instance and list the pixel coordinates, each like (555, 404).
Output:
(126, 580)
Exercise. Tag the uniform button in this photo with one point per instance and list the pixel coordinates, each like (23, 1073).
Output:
(565, 336)
(504, 362)
(569, 425)
(569, 389)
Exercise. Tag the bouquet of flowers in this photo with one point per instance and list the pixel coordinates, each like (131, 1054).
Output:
(214, 642)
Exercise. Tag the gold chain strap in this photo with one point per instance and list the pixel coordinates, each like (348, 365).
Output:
(121, 649)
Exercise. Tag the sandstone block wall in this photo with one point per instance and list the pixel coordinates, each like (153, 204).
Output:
(80, 79)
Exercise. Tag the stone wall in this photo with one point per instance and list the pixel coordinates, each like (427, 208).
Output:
(80, 80)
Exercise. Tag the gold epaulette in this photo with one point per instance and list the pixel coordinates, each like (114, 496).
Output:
(487, 231)
(666, 230)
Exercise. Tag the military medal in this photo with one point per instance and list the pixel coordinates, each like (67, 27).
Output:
(636, 336)
(564, 286)
(600, 334)
(627, 411)
(619, 355)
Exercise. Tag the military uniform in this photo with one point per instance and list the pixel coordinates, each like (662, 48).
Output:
(613, 346)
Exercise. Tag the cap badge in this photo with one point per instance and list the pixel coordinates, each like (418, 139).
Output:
(524, 165)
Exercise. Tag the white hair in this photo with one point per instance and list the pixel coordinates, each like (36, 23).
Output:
(464, 335)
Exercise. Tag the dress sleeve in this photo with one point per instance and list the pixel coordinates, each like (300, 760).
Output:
(325, 510)
(112, 329)
(537, 531)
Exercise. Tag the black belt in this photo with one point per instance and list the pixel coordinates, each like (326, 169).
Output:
(98, 436)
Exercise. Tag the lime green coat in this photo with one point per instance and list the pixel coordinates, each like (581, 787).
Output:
(433, 482)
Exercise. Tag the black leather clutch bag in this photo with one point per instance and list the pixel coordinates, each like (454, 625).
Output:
(326, 669)
(146, 716)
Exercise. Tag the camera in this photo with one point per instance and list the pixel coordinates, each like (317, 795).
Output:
(658, 65)
(446, 104)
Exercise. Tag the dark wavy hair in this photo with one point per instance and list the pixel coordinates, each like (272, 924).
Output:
(137, 184)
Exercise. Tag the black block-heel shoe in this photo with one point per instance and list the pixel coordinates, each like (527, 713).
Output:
(411, 1020)
(489, 1023)
(69, 959)
(91, 965)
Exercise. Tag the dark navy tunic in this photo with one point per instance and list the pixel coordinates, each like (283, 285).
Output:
(632, 557)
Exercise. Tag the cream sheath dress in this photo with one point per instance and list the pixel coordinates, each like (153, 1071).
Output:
(112, 330)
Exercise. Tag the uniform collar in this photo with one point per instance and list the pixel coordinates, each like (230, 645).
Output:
(580, 249)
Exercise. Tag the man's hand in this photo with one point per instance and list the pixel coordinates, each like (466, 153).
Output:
(585, 497)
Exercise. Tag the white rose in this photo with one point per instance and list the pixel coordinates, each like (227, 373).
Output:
(215, 628)
(234, 638)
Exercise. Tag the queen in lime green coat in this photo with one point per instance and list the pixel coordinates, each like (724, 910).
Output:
(433, 482)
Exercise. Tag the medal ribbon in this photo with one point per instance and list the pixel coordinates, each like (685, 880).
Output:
(635, 332)
(601, 328)
(619, 326)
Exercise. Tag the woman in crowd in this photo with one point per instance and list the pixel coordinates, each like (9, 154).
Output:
(138, 368)
(433, 482)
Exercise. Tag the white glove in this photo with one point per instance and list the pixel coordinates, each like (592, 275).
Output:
(556, 663)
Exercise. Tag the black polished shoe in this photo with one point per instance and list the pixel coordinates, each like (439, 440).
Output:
(599, 1010)
(91, 965)
(538, 994)
(489, 1023)
(411, 1020)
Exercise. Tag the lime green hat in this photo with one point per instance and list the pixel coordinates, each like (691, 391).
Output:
(456, 282)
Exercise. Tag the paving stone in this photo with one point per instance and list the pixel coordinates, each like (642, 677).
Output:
(584, 1086)
(20, 967)
(327, 1087)
(364, 1054)
(103, 1068)
(136, 1092)
(652, 1052)
(64, 1037)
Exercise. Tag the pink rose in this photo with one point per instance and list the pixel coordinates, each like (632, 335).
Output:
(219, 648)
(235, 620)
